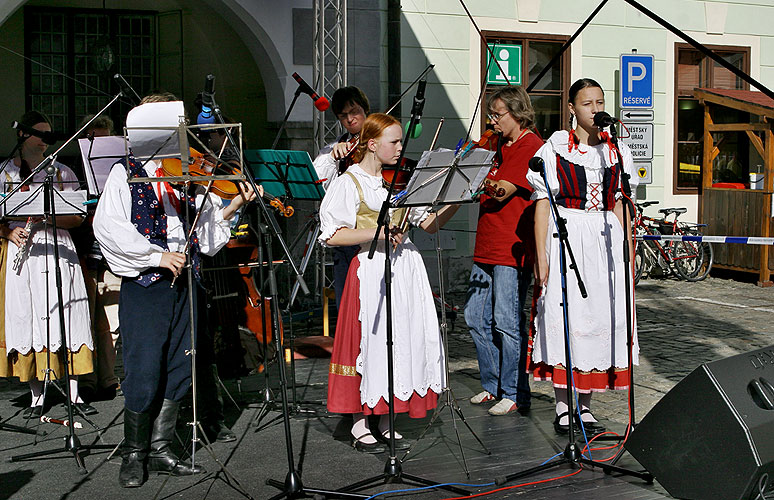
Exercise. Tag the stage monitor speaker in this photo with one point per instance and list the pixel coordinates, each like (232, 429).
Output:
(712, 435)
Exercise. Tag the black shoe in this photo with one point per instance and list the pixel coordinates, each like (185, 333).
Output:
(135, 449)
(225, 435)
(592, 428)
(400, 442)
(217, 431)
(373, 448)
(85, 408)
(161, 458)
(563, 429)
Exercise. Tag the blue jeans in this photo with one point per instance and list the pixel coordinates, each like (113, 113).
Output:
(494, 312)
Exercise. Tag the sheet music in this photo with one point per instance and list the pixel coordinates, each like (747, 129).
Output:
(31, 203)
(433, 169)
(99, 155)
(144, 136)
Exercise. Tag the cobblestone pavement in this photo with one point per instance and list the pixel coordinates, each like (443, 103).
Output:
(680, 326)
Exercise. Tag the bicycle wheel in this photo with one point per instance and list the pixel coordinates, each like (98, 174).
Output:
(639, 262)
(644, 255)
(704, 266)
(686, 257)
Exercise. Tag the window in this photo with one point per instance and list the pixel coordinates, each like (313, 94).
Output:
(73, 55)
(549, 97)
(693, 69)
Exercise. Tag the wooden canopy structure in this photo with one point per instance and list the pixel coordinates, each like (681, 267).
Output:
(739, 212)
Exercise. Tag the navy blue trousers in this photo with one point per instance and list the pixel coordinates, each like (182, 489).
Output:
(342, 256)
(155, 335)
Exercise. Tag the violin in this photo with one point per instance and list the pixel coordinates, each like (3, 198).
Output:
(489, 140)
(199, 165)
(402, 174)
(284, 210)
(347, 160)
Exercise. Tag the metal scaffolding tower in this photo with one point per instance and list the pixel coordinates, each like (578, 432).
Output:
(329, 70)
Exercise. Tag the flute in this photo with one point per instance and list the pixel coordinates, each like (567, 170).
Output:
(24, 249)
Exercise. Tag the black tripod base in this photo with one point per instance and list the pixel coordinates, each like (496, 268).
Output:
(24, 430)
(393, 474)
(292, 488)
(71, 445)
(573, 457)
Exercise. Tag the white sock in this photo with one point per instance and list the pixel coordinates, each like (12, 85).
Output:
(585, 402)
(36, 389)
(360, 429)
(384, 427)
(561, 405)
(74, 397)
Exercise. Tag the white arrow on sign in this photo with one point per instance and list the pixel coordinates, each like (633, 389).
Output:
(639, 115)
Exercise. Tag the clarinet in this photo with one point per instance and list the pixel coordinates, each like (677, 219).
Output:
(22, 253)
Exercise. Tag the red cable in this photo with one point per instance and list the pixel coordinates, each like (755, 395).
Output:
(516, 486)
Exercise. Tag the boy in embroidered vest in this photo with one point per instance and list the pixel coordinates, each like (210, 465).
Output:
(141, 230)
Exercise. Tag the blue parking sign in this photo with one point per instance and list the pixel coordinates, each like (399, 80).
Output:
(636, 80)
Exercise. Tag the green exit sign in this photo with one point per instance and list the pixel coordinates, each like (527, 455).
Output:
(508, 65)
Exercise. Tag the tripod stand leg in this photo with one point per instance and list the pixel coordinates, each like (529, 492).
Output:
(459, 413)
(16, 428)
(229, 477)
(609, 468)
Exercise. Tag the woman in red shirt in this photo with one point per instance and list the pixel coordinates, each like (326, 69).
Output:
(503, 259)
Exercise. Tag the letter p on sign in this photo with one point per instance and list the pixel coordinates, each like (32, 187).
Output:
(632, 77)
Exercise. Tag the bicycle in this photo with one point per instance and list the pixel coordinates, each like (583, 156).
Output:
(689, 260)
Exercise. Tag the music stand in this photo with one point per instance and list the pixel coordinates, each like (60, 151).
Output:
(288, 174)
(100, 154)
(443, 178)
(46, 202)
(285, 173)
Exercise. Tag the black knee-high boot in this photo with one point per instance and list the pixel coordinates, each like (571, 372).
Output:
(161, 458)
(135, 448)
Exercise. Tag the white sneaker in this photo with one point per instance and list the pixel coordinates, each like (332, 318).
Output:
(482, 397)
(503, 407)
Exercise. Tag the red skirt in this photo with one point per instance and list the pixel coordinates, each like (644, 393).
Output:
(343, 379)
(584, 382)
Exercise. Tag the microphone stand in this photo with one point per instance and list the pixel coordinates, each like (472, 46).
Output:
(284, 120)
(627, 216)
(393, 472)
(292, 486)
(572, 454)
(71, 443)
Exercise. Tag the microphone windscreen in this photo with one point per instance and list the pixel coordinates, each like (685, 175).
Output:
(205, 118)
(536, 164)
(603, 119)
(417, 130)
(322, 104)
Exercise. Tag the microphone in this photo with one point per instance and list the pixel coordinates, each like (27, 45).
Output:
(47, 137)
(126, 89)
(536, 164)
(603, 119)
(320, 102)
(208, 101)
(419, 97)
